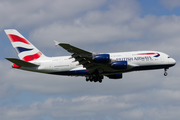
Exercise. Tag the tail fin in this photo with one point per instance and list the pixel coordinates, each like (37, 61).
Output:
(26, 51)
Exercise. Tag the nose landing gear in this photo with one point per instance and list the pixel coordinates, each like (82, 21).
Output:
(165, 73)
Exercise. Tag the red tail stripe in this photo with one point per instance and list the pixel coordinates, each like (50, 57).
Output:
(15, 38)
(32, 57)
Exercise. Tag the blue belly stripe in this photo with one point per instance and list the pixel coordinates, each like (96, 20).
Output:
(75, 72)
(84, 72)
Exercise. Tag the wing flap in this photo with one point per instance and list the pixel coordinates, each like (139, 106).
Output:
(21, 62)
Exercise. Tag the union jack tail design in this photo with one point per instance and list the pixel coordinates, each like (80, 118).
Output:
(26, 51)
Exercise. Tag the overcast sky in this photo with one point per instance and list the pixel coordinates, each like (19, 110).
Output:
(97, 26)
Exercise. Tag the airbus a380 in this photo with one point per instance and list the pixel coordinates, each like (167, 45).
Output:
(94, 66)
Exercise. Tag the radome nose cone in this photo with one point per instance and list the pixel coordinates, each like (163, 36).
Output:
(173, 62)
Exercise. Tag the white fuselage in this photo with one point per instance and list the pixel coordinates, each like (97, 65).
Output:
(136, 60)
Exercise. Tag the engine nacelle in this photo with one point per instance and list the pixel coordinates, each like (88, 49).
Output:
(115, 76)
(120, 65)
(101, 58)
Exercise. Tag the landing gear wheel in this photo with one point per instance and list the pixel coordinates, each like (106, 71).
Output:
(100, 81)
(165, 74)
(87, 78)
(94, 78)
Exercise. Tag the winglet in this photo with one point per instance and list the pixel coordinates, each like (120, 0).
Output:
(56, 43)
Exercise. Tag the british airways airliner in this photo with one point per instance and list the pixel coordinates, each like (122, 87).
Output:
(93, 66)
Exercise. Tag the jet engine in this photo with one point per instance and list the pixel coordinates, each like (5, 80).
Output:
(120, 65)
(101, 58)
(115, 76)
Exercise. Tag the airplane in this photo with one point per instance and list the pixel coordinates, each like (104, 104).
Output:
(93, 66)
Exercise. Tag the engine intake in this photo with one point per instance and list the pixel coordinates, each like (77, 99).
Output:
(101, 58)
(119, 65)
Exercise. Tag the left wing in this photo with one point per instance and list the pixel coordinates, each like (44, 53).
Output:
(73, 49)
(86, 59)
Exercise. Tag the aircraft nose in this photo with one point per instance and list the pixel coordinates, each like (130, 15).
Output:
(173, 61)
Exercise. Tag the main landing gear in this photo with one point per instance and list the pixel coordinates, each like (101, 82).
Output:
(165, 73)
(94, 78)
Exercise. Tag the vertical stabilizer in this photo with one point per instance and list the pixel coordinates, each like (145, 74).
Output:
(26, 51)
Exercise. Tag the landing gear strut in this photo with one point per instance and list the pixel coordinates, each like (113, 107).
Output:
(165, 73)
(94, 78)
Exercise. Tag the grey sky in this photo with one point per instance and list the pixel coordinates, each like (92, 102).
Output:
(98, 26)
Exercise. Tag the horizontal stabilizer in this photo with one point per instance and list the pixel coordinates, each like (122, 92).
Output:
(21, 62)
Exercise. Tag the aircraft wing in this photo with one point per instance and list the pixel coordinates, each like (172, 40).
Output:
(73, 49)
(85, 58)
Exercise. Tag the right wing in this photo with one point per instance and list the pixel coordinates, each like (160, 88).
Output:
(86, 59)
